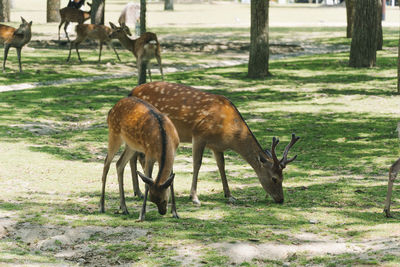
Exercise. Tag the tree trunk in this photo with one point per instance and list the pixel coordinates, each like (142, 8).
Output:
(169, 5)
(97, 13)
(398, 68)
(363, 43)
(379, 41)
(259, 46)
(350, 10)
(4, 10)
(142, 74)
(53, 10)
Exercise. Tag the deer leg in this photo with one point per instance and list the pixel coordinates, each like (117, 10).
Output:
(6, 48)
(394, 169)
(148, 171)
(113, 145)
(77, 51)
(121, 163)
(173, 205)
(219, 157)
(197, 151)
(59, 27)
(158, 57)
(65, 29)
(115, 51)
(19, 58)
(135, 182)
(148, 66)
(100, 48)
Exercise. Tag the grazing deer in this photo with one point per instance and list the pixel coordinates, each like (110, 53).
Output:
(71, 14)
(93, 32)
(12, 37)
(144, 129)
(144, 48)
(394, 169)
(212, 121)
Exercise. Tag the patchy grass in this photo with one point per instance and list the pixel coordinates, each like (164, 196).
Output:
(53, 143)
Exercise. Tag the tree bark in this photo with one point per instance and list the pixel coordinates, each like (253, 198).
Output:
(363, 44)
(259, 46)
(168, 4)
(53, 10)
(142, 74)
(4, 10)
(350, 11)
(379, 41)
(398, 68)
(97, 13)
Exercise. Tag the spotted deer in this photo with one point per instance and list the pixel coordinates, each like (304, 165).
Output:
(143, 129)
(394, 169)
(92, 32)
(12, 37)
(144, 48)
(72, 14)
(212, 121)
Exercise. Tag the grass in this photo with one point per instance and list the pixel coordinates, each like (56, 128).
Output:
(53, 142)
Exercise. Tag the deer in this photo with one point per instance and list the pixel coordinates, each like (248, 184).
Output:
(213, 121)
(12, 37)
(394, 169)
(93, 32)
(146, 130)
(144, 48)
(71, 14)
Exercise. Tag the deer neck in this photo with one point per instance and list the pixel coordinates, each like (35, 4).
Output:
(127, 42)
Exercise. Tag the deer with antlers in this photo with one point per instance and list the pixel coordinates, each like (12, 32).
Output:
(208, 120)
(72, 14)
(144, 48)
(143, 129)
(93, 32)
(12, 37)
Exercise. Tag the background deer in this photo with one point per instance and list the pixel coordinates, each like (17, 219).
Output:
(144, 129)
(144, 48)
(92, 32)
(12, 37)
(71, 14)
(212, 121)
(394, 169)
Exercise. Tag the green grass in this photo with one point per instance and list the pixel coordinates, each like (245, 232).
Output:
(346, 118)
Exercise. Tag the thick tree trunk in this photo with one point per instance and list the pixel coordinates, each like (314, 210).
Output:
(97, 13)
(142, 74)
(53, 10)
(350, 10)
(259, 46)
(379, 41)
(168, 4)
(363, 44)
(4, 10)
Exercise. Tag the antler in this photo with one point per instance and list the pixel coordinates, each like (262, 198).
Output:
(284, 161)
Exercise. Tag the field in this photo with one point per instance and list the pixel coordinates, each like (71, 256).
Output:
(53, 139)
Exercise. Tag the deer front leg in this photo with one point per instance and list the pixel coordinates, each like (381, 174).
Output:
(121, 163)
(394, 169)
(19, 58)
(197, 151)
(6, 48)
(219, 157)
(158, 57)
(173, 205)
(100, 48)
(143, 211)
(65, 29)
(135, 182)
(115, 51)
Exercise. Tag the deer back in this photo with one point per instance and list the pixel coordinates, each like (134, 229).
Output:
(16, 37)
(146, 46)
(93, 31)
(74, 15)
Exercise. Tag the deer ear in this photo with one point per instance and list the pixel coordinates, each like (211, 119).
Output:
(23, 20)
(30, 23)
(146, 179)
(168, 182)
(112, 25)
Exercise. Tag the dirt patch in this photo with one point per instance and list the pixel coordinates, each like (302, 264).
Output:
(81, 245)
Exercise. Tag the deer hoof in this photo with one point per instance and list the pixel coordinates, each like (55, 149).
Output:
(196, 202)
(175, 215)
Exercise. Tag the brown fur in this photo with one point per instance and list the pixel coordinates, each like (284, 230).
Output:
(70, 14)
(212, 121)
(92, 32)
(143, 129)
(142, 48)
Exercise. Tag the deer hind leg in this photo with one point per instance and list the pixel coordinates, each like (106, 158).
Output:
(59, 27)
(394, 169)
(6, 48)
(135, 182)
(219, 157)
(19, 59)
(158, 57)
(113, 145)
(100, 48)
(197, 151)
(148, 67)
(121, 163)
(65, 30)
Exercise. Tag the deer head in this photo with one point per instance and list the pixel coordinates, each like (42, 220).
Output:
(274, 177)
(158, 194)
(23, 28)
(123, 30)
